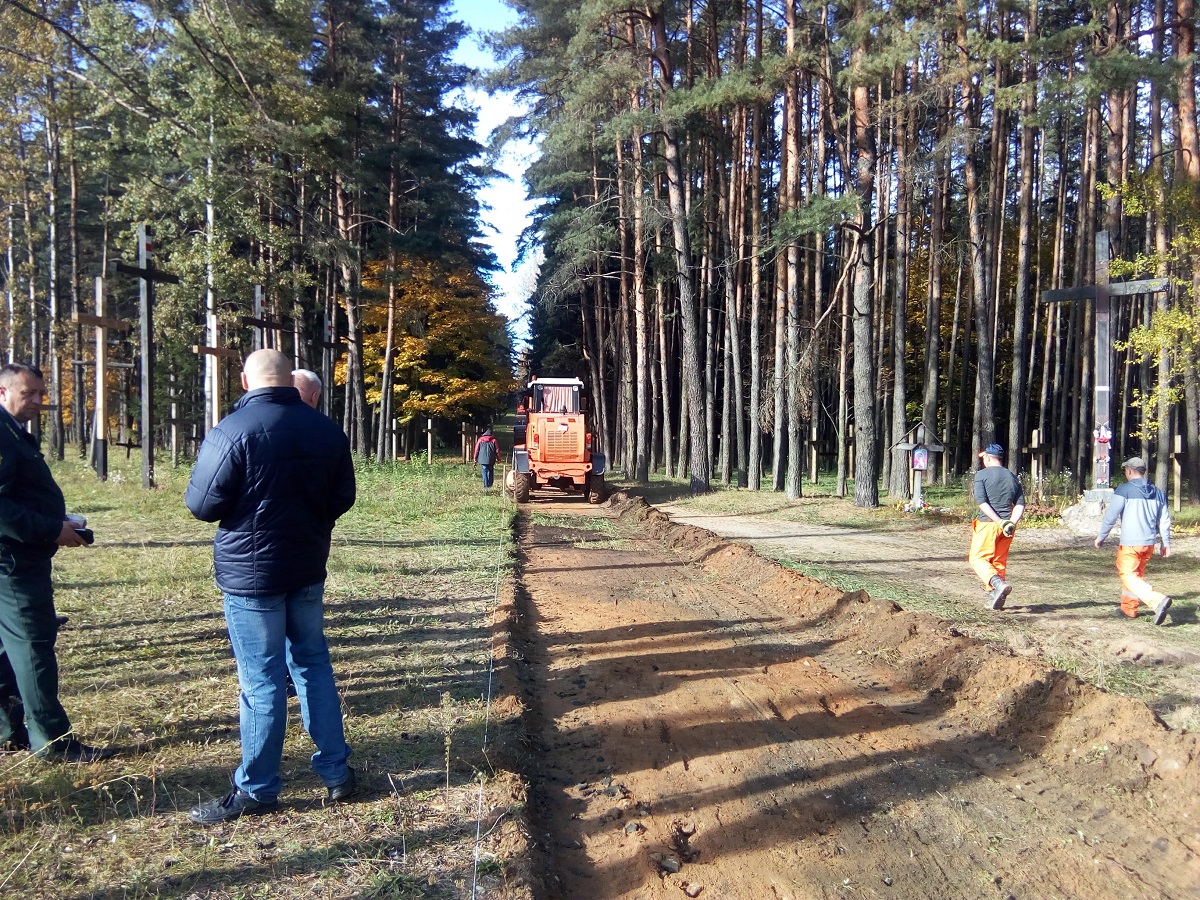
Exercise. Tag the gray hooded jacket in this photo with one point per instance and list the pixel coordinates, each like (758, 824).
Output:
(1142, 509)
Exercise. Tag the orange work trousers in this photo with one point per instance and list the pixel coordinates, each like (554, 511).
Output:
(1135, 590)
(989, 550)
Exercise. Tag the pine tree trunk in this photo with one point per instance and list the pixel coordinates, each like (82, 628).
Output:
(1189, 165)
(1157, 223)
(56, 440)
(984, 427)
(1018, 409)
(866, 486)
(791, 190)
(843, 383)
(754, 461)
(898, 484)
(933, 315)
(643, 367)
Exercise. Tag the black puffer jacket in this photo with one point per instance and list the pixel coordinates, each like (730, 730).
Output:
(31, 504)
(276, 474)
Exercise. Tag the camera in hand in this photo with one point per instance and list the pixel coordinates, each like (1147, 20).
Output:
(86, 534)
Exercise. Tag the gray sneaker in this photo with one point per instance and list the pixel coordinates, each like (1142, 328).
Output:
(1160, 611)
(998, 595)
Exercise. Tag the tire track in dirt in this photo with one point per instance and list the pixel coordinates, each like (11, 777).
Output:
(700, 721)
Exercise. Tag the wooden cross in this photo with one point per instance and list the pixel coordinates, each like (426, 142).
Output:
(147, 277)
(264, 328)
(1102, 293)
(214, 355)
(100, 427)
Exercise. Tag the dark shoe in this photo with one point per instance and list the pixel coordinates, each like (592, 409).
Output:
(345, 790)
(62, 620)
(235, 803)
(1160, 611)
(74, 751)
(15, 744)
(998, 595)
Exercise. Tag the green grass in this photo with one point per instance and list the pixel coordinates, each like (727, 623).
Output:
(146, 666)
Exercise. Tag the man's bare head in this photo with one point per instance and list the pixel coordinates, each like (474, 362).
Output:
(266, 368)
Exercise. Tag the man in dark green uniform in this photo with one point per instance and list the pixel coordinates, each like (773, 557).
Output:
(33, 525)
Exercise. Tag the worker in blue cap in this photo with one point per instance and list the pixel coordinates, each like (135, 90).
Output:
(1001, 501)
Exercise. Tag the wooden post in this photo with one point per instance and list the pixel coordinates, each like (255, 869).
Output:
(1035, 462)
(812, 454)
(146, 319)
(173, 390)
(1102, 446)
(328, 348)
(100, 429)
(429, 442)
(1177, 470)
(260, 336)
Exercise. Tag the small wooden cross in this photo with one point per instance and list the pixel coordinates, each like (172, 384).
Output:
(102, 323)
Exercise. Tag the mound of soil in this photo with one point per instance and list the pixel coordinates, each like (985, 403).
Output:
(701, 721)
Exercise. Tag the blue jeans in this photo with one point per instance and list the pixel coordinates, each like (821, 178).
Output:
(271, 636)
(487, 471)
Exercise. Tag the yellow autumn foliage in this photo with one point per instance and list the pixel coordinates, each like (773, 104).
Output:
(452, 354)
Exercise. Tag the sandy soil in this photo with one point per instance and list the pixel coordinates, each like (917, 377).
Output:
(702, 722)
(1064, 601)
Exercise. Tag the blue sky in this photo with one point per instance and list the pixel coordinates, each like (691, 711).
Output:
(508, 207)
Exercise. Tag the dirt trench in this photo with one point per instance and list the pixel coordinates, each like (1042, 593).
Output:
(702, 722)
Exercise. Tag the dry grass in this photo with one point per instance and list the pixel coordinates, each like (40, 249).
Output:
(411, 600)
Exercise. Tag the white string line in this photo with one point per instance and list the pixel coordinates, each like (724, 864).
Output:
(478, 828)
(487, 710)
(487, 713)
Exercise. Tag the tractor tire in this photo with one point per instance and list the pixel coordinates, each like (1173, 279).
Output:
(521, 487)
(597, 490)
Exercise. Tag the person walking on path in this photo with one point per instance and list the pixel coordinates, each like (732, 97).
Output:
(276, 474)
(33, 525)
(1001, 501)
(1145, 520)
(487, 451)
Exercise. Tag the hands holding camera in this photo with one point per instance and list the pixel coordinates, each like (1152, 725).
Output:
(75, 532)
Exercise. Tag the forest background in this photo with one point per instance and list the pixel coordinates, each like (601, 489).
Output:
(772, 232)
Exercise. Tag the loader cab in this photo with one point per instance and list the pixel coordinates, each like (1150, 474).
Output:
(557, 397)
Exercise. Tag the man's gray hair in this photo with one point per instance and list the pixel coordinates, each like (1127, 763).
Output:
(306, 375)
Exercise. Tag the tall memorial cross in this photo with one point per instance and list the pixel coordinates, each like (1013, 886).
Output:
(1101, 293)
(147, 277)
